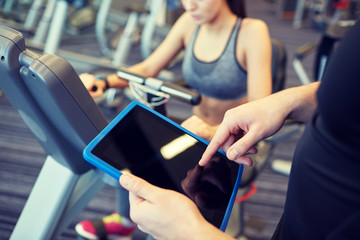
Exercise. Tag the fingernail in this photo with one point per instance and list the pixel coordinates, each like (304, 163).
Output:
(233, 153)
(124, 179)
(200, 162)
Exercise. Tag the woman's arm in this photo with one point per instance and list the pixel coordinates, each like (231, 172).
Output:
(157, 61)
(255, 44)
(164, 54)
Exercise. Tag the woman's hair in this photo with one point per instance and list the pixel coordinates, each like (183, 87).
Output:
(238, 7)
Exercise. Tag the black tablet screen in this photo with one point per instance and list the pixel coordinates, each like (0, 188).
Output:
(166, 156)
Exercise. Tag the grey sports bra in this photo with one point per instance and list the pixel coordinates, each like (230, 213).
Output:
(222, 78)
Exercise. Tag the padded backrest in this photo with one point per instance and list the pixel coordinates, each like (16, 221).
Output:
(51, 99)
(278, 65)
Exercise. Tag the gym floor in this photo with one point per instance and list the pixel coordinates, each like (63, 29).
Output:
(21, 157)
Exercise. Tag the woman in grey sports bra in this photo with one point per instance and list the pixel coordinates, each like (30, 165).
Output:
(204, 76)
(227, 59)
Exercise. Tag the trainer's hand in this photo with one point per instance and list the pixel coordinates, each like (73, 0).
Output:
(242, 128)
(164, 214)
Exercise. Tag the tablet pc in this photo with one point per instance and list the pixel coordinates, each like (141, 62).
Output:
(165, 154)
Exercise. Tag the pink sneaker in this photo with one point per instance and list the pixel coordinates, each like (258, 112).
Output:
(112, 227)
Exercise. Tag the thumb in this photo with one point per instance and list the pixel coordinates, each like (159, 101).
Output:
(137, 186)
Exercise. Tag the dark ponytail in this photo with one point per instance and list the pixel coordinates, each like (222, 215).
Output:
(238, 7)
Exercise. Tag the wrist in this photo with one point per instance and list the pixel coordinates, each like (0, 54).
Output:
(206, 231)
(103, 83)
(303, 102)
(116, 82)
(106, 84)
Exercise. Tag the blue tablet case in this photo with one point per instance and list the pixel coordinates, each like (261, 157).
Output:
(116, 173)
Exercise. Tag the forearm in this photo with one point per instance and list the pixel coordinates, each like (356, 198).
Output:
(304, 102)
(206, 231)
(140, 69)
(160, 58)
(297, 103)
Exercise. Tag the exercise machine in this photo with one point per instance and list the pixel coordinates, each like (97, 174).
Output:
(333, 34)
(323, 13)
(49, 33)
(51, 99)
(49, 96)
(21, 15)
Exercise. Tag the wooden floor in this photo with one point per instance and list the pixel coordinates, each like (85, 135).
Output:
(21, 157)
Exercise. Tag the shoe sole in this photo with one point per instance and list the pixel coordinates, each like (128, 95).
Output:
(88, 236)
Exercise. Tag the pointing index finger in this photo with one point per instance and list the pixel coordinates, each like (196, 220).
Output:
(218, 140)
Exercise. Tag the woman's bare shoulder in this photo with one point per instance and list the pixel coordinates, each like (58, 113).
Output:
(185, 26)
(253, 32)
(186, 22)
(253, 25)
